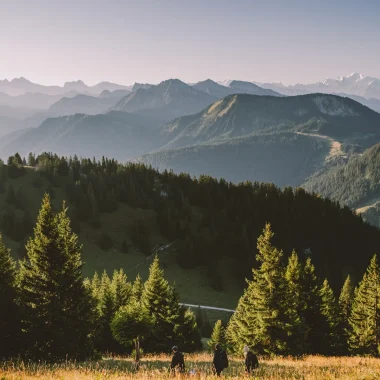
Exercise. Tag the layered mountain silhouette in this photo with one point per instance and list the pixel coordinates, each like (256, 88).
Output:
(278, 139)
(242, 115)
(166, 101)
(90, 105)
(212, 88)
(19, 86)
(115, 134)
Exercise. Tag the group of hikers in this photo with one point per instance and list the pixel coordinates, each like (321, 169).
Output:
(219, 362)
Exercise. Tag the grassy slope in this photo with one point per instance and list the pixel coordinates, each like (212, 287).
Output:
(191, 284)
(156, 367)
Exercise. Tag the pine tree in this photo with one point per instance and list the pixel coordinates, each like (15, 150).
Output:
(137, 289)
(57, 307)
(365, 317)
(345, 300)
(31, 159)
(261, 320)
(314, 322)
(218, 335)
(172, 325)
(187, 332)
(295, 305)
(105, 341)
(9, 316)
(330, 311)
(121, 288)
(157, 299)
(345, 307)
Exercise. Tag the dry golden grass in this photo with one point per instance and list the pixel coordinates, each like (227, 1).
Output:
(155, 367)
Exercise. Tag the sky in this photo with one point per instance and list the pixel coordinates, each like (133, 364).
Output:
(127, 41)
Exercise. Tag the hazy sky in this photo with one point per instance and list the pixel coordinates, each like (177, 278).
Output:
(53, 41)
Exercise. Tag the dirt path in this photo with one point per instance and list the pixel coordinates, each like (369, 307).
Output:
(208, 307)
(335, 146)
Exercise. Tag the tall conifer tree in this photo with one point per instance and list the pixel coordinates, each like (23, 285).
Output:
(365, 317)
(346, 298)
(261, 319)
(162, 302)
(58, 309)
(330, 311)
(312, 316)
(295, 305)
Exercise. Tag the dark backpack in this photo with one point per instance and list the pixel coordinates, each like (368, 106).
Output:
(224, 359)
(252, 359)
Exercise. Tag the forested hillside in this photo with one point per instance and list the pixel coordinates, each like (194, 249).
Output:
(204, 224)
(283, 158)
(355, 183)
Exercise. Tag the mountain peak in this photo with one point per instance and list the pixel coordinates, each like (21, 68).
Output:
(355, 76)
(20, 80)
(173, 81)
(77, 82)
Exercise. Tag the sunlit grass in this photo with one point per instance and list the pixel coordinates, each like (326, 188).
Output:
(156, 367)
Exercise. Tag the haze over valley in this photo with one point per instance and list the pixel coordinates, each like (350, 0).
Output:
(238, 130)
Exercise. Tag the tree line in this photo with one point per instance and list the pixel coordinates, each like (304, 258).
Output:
(49, 312)
(214, 223)
(287, 310)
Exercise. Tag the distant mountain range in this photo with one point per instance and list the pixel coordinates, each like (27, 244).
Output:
(86, 104)
(234, 87)
(20, 86)
(309, 135)
(353, 84)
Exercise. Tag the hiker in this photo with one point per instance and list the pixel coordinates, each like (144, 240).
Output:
(251, 361)
(178, 361)
(220, 361)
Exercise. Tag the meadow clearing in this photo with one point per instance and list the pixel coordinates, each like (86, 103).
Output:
(155, 367)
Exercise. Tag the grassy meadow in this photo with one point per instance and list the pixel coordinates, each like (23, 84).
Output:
(155, 367)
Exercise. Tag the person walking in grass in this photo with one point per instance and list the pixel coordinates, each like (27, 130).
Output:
(220, 361)
(250, 360)
(178, 361)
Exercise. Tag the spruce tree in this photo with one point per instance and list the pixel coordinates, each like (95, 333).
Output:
(137, 289)
(330, 311)
(345, 307)
(57, 307)
(365, 316)
(121, 288)
(261, 318)
(295, 305)
(312, 316)
(9, 315)
(218, 335)
(105, 341)
(345, 300)
(156, 299)
(162, 302)
(187, 332)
